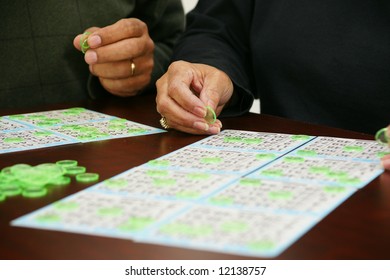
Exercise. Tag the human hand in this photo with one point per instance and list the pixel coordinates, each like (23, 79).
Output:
(386, 159)
(185, 90)
(113, 49)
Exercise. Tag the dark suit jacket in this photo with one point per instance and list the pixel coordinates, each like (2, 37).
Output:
(319, 61)
(39, 64)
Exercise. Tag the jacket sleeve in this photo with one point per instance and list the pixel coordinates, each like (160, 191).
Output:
(218, 34)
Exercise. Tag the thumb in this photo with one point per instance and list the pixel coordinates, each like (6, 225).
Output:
(217, 90)
(77, 41)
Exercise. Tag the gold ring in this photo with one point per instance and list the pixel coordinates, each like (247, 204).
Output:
(132, 68)
(163, 123)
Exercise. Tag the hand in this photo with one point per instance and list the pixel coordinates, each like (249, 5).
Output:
(185, 90)
(112, 51)
(386, 158)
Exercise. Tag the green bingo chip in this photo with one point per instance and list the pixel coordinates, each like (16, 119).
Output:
(67, 163)
(60, 181)
(84, 42)
(11, 190)
(87, 177)
(35, 181)
(75, 170)
(49, 169)
(32, 193)
(382, 136)
(210, 117)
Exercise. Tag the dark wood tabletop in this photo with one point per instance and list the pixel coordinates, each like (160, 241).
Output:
(357, 229)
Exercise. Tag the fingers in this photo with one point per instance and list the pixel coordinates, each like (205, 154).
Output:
(123, 69)
(177, 102)
(130, 48)
(125, 87)
(122, 29)
(126, 39)
(179, 118)
(113, 49)
(182, 96)
(211, 130)
(217, 90)
(386, 159)
(77, 41)
(386, 162)
(124, 78)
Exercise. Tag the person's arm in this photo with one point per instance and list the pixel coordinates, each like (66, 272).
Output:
(218, 34)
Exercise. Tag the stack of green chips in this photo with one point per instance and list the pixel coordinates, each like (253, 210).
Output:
(34, 181)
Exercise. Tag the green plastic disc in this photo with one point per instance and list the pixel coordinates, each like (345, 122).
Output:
(87, 177)
(84, 42)
(382, 137)
(12, 191)
(210, 117)
(30, 193)
(67, 162)
(33, 186)
(34, 179)
(20, 169)
(50, 169)
(60, 181)
(75, 170)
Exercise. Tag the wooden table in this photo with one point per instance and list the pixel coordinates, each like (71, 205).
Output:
(358, 229)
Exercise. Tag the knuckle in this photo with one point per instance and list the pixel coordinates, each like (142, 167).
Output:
(150, 45)
(173, 88)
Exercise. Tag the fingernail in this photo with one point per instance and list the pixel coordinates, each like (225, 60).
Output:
(90, 57)
(94, 41)
(201, 126)
(200, 111)
(219, 123)
(214, 130)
